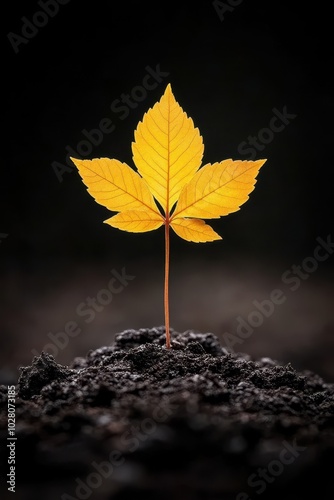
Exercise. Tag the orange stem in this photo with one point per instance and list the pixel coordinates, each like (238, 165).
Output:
(166, 290)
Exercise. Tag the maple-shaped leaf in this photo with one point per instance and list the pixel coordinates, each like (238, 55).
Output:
(167, 152)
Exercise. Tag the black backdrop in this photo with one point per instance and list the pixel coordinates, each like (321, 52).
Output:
(230, 65)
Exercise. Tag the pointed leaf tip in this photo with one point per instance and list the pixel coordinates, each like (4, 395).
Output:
(167, 150)
(218, 189)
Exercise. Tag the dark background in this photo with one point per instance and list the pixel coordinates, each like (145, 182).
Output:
(228, 75)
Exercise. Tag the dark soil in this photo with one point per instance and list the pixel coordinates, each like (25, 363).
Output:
(135, 420)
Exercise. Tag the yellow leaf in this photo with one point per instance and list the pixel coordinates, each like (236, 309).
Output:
(136, 221)
(218, 189)
(167, 152)
(115, 185)
(194, 230)
(168, 149)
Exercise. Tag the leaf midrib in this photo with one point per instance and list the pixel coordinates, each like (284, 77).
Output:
(177, 214)
(157, 211)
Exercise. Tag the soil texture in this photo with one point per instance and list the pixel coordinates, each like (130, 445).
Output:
(136, 420)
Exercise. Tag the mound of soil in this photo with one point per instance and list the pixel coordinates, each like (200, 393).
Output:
(135, 420)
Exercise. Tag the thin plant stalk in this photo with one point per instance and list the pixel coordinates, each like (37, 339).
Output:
(166, 287)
